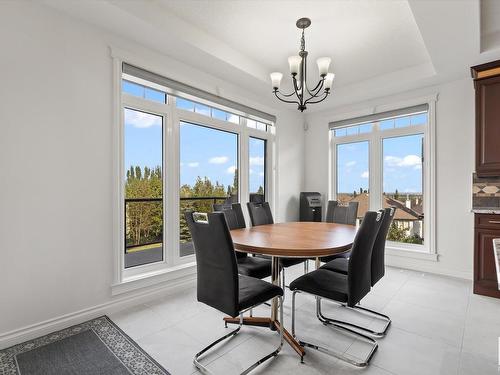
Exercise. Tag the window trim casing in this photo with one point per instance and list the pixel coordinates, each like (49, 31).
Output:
(125, 280)
(376, 163)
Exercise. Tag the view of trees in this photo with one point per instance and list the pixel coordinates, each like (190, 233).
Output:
(144, 218)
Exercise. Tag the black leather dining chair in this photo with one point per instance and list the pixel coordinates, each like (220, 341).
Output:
(349, 289)
(218, 283)
(260, 214)
(249, 266)
(340, 214)
(377, 271)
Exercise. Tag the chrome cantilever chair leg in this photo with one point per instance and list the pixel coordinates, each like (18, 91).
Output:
(325, 320)
(233, 333)
(344, 330)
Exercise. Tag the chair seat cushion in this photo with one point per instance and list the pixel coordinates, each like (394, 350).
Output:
(337, 265)
(345, 254)
(254, 267)
(323, 283)
(255, 291)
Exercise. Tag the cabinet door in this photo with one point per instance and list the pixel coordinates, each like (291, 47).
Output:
(485, 277)
(488, 126)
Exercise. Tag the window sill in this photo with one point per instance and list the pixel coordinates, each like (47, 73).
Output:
(411, 253)
(177, 274)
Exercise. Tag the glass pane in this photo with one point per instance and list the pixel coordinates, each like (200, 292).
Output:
(257, 169)
(202, 109)
(132, 88)
(402, 122)
(403, 187)
(251, 123)
(353, 174)
(365, 128)
(184, 104)
(386, 124)
(235, 119)
(352, 130)
(218, 114)
(340, 132)
(155, 95)
(419, 119)
(208, 173)
(143, 162)
(144, 92)
(261, 126)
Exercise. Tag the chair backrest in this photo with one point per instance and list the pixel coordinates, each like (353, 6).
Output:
(233, 213)
(359, 268)
(217, 271)
(378, 253)
(260, 213)
(342, 214)
(234, 218)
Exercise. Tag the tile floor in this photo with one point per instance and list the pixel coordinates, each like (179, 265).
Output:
(438, 327)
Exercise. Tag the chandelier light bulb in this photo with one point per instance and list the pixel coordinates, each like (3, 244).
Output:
(329, 81)
(294, 62)
(323, 65)
(276, 80)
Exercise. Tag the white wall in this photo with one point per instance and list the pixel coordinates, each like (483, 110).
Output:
(454, 167)
(56, 161)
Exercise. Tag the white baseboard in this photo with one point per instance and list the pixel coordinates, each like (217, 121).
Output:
(426, 266)
(32, 331)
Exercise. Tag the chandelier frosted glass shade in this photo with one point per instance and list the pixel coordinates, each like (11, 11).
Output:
(302, 94)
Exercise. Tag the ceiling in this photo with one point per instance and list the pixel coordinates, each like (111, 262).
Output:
(377, 47)
(361, 37)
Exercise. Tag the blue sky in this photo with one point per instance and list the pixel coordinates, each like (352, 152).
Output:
(207, 152)
(402, 169)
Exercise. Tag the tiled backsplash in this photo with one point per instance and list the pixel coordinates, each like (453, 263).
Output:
(485, 192)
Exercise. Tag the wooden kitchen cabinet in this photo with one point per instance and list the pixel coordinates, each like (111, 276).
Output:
(486, 228)
(487, 86)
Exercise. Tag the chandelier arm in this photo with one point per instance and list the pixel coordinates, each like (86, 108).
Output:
(286, 101)
(286, 95)
(308, 101)
(315, 91)
(299, 97)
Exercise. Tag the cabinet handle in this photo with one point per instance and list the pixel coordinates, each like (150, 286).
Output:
(494, 221)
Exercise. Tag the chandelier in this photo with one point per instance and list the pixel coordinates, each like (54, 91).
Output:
(302, 95)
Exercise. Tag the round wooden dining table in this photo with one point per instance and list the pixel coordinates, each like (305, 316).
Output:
(296, 239)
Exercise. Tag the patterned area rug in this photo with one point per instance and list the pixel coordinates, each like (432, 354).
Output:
(94, 347)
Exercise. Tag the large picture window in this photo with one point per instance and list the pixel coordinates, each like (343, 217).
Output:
(180, 152)
(208, 173)
(382, 161)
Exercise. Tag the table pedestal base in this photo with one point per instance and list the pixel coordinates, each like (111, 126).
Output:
(273, 325)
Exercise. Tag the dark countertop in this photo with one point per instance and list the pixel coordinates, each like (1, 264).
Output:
(486, 210)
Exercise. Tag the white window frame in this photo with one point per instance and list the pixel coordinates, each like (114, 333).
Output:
(375, 143)
(173, 265)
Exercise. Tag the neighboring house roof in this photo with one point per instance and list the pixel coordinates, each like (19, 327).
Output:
(402, 212)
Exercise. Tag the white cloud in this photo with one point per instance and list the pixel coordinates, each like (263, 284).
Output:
(407, 161)
(231, 169)
(141, 120)
(365, 174)
(350, 163)
(261, 174)
(256, 160)
(250, 171)
(218, 160)
(193, 164)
